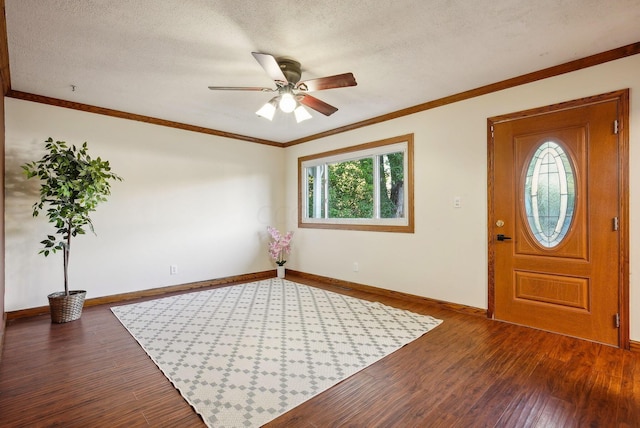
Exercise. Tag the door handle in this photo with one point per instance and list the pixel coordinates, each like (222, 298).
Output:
(501, 237)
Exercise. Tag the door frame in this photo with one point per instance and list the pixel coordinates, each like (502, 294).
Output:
(622, 99)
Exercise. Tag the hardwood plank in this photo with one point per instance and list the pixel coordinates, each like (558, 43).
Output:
(469, 371)
(628, 407)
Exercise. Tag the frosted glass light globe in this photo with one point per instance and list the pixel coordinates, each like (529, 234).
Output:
(287, 103)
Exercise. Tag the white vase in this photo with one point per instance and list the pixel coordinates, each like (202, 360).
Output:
(280, 271)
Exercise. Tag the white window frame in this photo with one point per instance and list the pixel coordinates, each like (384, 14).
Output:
(405, 224)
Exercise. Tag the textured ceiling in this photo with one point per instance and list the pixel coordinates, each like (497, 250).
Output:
(156, 58)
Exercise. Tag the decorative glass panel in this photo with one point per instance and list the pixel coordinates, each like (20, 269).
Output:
(549, 194)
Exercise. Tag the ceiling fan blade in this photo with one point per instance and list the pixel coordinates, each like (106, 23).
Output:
(317, 105)
(270, 65)
(240, 88)
(330, 82)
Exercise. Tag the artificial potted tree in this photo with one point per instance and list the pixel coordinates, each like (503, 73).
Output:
(72, 184)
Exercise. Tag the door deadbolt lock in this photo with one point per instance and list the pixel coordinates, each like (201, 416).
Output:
(499, 223)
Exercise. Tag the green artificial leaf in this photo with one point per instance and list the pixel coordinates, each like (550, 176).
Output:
(72, 185)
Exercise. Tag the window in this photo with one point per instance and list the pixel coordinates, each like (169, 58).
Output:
(365, 187)
(549, 191)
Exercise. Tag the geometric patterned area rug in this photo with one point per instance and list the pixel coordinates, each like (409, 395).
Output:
(245, 354)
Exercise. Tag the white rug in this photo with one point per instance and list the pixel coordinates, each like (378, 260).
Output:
(245, 354)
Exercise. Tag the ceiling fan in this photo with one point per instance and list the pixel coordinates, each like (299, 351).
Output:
(292, 94)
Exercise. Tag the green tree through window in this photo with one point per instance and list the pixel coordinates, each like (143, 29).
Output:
(351, 189)
(392, 185)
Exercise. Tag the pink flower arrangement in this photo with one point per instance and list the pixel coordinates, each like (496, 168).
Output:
(280, 246)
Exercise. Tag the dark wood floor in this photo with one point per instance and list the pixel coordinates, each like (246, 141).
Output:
(468, 372)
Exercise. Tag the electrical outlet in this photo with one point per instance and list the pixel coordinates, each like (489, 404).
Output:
(457, 202)
(173, 269)
(356, 267)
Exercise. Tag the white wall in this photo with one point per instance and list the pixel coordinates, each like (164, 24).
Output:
(446, 258)
(203, 202)
(196, 201)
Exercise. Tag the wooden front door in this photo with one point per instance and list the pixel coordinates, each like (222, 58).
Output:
(557, 220)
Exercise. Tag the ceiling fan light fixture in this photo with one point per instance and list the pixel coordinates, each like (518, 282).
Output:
(301, 114)
(287, 103)
(291, 92)
(268, 110)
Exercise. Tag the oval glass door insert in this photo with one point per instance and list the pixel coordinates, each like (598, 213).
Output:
(549, 194)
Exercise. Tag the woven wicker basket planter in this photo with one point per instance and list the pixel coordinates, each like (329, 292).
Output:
(66, 308)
